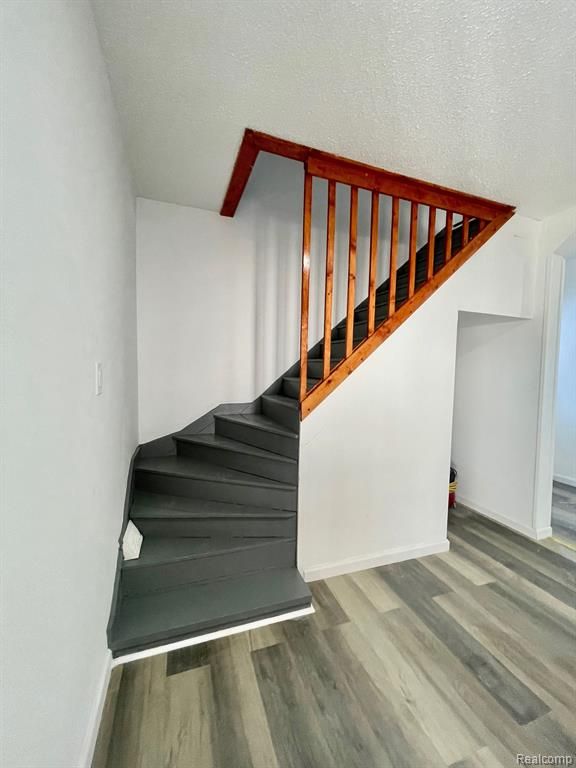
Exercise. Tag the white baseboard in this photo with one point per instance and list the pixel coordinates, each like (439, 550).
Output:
(350, 565)
(532, 533)
(566, 480)
(212, 636)
(96, 716)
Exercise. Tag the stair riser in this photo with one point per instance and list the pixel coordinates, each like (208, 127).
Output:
(285, 446)
(207, 489)
(220, 527)
(315, 369)
(253, 465)
(292, 388)
(137, 581)
(288, 417)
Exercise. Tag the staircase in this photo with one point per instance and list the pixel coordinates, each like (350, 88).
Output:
(219, 523)
(218, 509)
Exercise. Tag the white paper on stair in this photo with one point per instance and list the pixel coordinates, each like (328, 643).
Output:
(132, 542)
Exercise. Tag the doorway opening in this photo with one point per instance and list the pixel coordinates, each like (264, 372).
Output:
(563, 515)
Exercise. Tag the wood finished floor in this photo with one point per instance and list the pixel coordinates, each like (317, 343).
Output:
(464, 659)
(564, 513)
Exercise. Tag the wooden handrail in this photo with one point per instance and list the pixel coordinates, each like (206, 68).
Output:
(329, 166)
(408, 286)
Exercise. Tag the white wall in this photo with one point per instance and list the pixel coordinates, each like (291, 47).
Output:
(375, 455)
(505, 380)
(218, 299)
(565, 448)
(68, 301)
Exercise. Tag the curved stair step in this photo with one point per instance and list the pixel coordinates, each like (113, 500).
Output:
(258, 430)
(182, 476)
(156, 618)
(165, 563)
(171, 516)
(226, 452)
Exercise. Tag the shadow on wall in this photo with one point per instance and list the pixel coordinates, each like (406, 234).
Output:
(273, 203)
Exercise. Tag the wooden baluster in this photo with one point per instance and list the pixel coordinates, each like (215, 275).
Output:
(373, 262)
(393, 256)
(328, 287)
(448, 236)
(305, 295)
(351, 270)
(412, 249)
(465, 230)
(431, 241)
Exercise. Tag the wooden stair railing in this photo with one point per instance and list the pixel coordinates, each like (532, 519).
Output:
(480, 219)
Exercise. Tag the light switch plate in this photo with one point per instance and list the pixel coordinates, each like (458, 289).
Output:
(98, 381)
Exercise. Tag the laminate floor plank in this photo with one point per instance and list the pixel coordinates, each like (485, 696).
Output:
(564, 512)
(406, 679)
(509, 579)
(291, 710)
(341, 710)
(534, 555)
(518, 566)
(329, 612)
(462, 660)
(102, 748)
(400, 732)
(506, 689)
(484, 758)
(490, 724)
(509, 647)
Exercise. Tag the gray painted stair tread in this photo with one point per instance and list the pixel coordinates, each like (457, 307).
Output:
(225, 443)
(287, 402)
(199, 607)
(156, 551)
(154, 505)
(182, 466)
(296, 379)
(259, 421)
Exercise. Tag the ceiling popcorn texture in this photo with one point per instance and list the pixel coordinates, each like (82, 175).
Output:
(478, 95)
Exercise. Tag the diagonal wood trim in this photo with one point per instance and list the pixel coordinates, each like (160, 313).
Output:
(329, 166)
(316, 395)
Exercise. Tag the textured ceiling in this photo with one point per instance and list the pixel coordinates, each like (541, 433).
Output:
(478, 95)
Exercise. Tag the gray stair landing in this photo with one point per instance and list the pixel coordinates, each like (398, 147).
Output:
(165, 562)
(145, 621)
